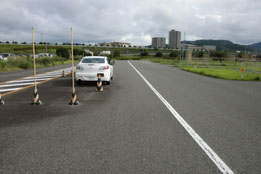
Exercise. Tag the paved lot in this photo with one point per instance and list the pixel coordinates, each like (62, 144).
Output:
(128, 129)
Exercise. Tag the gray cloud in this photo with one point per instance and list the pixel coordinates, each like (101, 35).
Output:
(131, 21)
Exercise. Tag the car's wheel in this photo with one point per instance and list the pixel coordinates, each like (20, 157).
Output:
(111, 77)
(108, 82)
(79, 82)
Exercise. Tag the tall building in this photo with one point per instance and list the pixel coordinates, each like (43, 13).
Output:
(158, 42)
(178, 39)
(174, 39)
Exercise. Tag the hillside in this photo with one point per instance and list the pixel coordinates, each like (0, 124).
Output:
(256, 46)
(221, 45)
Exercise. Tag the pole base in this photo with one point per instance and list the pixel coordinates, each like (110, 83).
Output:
(74, 103)
(37, 103)
(2, 102)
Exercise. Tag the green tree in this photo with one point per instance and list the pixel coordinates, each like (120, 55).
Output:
(63, 52)
(75, 52)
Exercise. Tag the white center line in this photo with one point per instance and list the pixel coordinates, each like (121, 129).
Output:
(206, 148)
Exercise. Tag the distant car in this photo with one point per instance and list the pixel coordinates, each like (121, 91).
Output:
(5, 56)
(91, 66)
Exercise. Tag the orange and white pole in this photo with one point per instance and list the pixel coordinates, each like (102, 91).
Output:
(36, 100)
(74, 100)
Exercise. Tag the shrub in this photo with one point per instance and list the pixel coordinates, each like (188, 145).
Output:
(81, 53)
(116, 53)
(144, 54)
(75, 52)
(87, 54)
(3, 64)
(174, 54)
(63, 52)
(25, 65)
(44, 61)
(159, 54)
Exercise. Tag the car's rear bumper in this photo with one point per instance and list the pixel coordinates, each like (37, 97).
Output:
(92, 76)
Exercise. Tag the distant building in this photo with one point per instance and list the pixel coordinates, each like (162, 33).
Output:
(174, 39)
(209, 47)
(158, 42)
(192, 47)
(115, 44)
(105, 44)
(199, 48)
(178, 39)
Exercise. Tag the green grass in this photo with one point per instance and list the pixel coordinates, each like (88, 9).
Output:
(128, 58)
(224, 70)
(225, 74)
(28, 49)
(20, 63)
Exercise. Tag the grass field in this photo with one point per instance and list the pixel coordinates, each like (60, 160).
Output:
(20, 63)
(216, 69)
(225, 74)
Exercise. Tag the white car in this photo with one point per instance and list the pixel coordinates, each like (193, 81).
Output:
(90, 66)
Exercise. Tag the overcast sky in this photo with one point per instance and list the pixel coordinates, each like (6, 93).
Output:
(134, 21)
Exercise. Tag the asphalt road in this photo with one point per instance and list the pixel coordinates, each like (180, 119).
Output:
(128, 129)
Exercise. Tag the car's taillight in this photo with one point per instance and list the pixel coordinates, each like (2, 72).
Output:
(79, 67)
(104, 67)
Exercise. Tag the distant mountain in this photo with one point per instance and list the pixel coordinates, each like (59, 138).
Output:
(256, 46)
(221, 45)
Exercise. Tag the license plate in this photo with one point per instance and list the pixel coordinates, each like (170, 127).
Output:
(90, 77)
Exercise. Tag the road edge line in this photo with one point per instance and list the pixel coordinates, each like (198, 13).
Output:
(205, 147)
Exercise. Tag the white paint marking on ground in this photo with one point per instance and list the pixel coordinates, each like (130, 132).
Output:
(43, 76)
(7, 86)
(16, 84)
(208, 150)
(9, 89)
(27, 80)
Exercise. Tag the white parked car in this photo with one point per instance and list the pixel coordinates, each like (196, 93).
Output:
(91, 66)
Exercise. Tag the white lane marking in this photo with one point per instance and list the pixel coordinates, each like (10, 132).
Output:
(45, 76)
(7, 86)
(28, 80)
(17, 84)
(206, 148)
(9, 89)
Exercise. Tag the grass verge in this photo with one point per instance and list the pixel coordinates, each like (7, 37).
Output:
(20, 63)
(225, 74)
(222, 71)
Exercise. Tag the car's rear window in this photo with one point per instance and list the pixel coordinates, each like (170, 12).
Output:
(93, 60)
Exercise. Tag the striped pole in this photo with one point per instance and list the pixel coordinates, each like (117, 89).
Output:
(2, 102)
(74, 100)
(36, 100)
